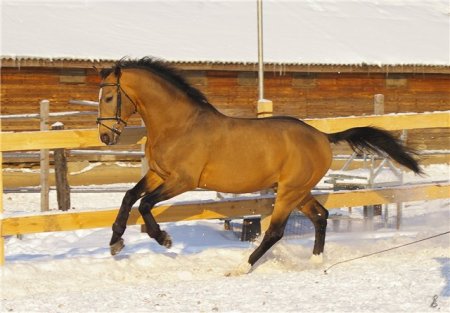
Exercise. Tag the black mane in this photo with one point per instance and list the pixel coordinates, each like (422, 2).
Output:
(163, 70)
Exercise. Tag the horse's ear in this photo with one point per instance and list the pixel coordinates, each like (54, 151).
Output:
(96, 69)
(117, 71)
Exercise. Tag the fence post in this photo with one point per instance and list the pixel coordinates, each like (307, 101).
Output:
(2, 240)
(44, 157)
(144, 163)
(399, 205)
(264, 108)
(399, 216)
(369, 210)
(144, 170)
(378, 104)
(62, 185)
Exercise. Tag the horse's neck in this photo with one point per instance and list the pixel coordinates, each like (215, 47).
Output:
(167, 114)
(166, 110)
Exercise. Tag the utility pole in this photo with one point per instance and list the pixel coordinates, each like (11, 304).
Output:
(265, 107)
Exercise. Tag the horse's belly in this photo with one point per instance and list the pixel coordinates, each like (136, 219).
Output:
(235, 185)
(237, 177)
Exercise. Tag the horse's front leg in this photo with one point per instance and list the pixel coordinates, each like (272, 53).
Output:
(147, 184)
(169, 189)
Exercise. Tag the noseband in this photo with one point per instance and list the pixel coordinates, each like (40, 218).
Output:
(117, 117)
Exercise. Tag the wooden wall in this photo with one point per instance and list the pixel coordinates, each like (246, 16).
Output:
(327, 94)
(234, 92)
(23, 88)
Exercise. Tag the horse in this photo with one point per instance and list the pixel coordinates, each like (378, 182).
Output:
(190, 144)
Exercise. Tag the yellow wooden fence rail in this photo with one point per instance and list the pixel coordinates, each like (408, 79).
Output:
(236, 207)
(83, 138)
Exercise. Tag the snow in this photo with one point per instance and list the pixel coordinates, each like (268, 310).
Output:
(74, 272)
(321, 31)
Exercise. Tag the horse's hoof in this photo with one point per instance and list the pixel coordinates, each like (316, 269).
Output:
(117, 247)
(316, 259)
(165, 240)
(242, 269)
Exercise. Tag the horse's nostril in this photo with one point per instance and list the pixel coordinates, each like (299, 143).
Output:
(105, 139)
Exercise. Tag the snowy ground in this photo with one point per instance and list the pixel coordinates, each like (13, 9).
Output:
(73, 271)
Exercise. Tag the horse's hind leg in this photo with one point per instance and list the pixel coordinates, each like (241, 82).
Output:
(285, 202)
(318, 216)
(148, 183)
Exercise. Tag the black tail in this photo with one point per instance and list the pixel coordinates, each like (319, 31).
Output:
(378, 141)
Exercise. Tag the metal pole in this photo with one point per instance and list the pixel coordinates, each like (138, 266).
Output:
(260, 52)
(264, 107)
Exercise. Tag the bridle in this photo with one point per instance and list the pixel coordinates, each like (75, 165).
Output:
(117, 117)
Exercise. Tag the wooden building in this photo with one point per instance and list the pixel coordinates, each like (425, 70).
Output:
(300, 90)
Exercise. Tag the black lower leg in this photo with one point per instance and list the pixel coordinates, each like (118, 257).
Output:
(153, 229)
(320, 225)
(272, 236)
(319, 243)
(120, 224)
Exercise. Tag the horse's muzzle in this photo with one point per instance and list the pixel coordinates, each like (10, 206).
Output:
(109, 139)
(105, 139)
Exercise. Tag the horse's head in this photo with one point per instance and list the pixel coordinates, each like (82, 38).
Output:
(114, 110)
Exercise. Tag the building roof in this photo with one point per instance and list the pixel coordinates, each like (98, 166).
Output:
(307, 32)
(23, 62)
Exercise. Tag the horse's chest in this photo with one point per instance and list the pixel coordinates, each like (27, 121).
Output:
(156, 162)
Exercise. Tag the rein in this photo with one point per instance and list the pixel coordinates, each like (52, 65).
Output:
(117, 117)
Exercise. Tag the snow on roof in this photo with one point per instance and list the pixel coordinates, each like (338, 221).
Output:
(375, 32)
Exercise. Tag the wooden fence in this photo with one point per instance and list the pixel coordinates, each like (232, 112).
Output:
(51, 221)
(84, 138)
(236, 207)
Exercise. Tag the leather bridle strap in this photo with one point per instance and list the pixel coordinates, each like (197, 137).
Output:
(117, 117)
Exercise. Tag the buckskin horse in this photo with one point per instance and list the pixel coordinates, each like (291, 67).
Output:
(191, 144)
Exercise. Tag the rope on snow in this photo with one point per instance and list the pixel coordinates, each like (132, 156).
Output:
(385, 250)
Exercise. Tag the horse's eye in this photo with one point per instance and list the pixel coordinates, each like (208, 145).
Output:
(109, 99)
